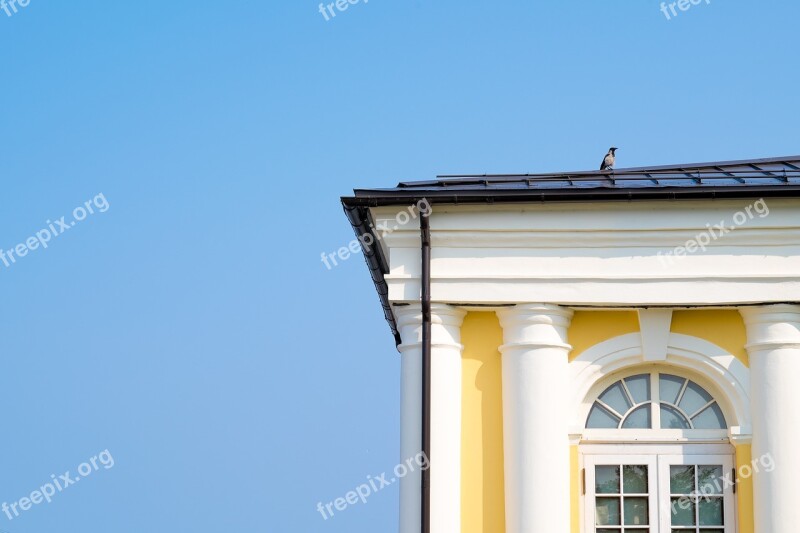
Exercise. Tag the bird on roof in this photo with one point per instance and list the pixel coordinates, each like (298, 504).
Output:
(608, 160)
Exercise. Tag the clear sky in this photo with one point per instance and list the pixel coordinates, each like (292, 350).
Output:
(188, 326)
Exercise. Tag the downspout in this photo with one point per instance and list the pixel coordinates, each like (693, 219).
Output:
(425, 238)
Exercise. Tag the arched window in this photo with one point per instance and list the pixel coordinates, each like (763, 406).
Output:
(656, 401)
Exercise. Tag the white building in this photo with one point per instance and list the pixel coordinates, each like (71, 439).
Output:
(608, 352)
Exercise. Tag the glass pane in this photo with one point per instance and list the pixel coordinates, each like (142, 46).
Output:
(709, 480)
(682, 511)
(711, 511)
(694, 398)
(706, 531)
(672, 419)
(669, 387)
(639, 418)
(606, 479)
(710, 418)
(607, 512)
(608, 530)
(599, 418)
(615, 397)
(634, 478)
(681, 479)
(636, 512)
(639, 387)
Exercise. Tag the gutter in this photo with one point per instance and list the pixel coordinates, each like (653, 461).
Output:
(378, 197)
(362, 224)
(425, 297)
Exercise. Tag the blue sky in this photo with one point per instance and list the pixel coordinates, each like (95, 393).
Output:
(191, 329)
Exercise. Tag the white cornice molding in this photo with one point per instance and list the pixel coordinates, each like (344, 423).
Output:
(597, 254)
(565, 239)
(630, 292)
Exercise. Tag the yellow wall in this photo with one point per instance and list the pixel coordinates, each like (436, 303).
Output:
(482, 492)
(723, 327)
(744, 491)
(575, 487)
(592, 327)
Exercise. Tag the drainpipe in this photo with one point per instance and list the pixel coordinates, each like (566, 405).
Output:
(425, 237)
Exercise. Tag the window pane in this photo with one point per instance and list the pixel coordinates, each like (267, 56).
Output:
(606, 479)
(672, 419)
(694, 398)
(710, 418)
(682, 511)
(681, 479)
(669, 387)
(607, 512)
(636, 512)
(709, 480)
(639, 386)
(599, 418)
(639, 418)
(634, 478)
(615, 397)
(711, 511)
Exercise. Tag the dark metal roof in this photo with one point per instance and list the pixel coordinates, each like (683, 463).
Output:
(778, 176)
(750, 178)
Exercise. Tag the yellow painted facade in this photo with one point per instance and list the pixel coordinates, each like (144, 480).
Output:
(482, 492)
(744, 491)
(723, 327)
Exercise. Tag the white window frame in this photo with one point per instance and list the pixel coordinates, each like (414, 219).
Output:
(728, 495)
(655, 435)
(652, 486)
(658, 457)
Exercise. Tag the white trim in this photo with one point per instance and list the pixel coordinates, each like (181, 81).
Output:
(643, 448)
(591, 436)
(722, 374)
(630, 291)
(600, 253)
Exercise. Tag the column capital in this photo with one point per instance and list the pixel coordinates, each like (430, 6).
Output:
(446, 323)
(535, 325)
(771, 327)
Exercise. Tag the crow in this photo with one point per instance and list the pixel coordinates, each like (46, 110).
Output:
(608, 160)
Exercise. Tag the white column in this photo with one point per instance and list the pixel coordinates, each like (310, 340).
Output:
(445, 454)
(535, 418)
(773, 342)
